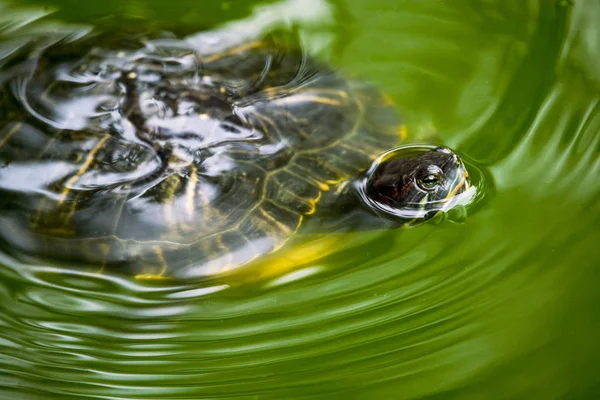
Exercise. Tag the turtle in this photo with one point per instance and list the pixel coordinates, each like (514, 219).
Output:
(145, 155)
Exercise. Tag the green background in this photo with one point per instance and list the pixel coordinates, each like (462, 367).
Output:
(504, 306)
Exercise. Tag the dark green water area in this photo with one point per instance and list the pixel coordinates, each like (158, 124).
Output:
(502, 306)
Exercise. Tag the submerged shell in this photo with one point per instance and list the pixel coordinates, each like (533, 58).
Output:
(148, 155)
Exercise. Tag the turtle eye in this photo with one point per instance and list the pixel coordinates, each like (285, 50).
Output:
(429, 181)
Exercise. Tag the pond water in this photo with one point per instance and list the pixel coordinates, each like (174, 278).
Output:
(502, 306)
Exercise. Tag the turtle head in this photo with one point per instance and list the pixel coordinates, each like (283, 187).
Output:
(415, 183)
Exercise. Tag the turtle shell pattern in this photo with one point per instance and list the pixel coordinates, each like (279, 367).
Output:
(148, 155)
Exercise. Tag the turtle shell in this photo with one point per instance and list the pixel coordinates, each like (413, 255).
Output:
(148, 155)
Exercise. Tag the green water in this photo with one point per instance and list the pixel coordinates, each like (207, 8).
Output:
(504, 306)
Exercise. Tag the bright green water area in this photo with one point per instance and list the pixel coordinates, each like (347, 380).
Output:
(503, 306)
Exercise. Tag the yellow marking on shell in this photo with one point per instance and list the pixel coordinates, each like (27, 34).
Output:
(277, 223)
(132, 75)
(156, 276)
(262, 118)
(282, 92)
(313, 204)
(282, 112)
(338, 92)
(190, 190)
(272, 92)
(303, 98)
(11, 132)
(342, 176)
(87, 163)
(370, 155)
(249, 212)
(234, 50)
(291, 210)
(334, 182)
(322, 186)
(329, 182)
(49, 144)
(262, 124)
(286, 114)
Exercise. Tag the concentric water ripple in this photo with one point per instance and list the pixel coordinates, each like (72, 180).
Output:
(503, 306)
